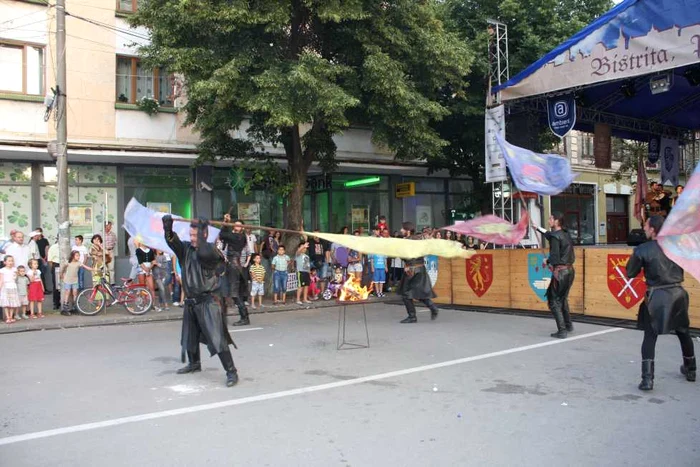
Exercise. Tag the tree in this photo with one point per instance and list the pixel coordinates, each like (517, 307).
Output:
(534, 28)
(301, 71)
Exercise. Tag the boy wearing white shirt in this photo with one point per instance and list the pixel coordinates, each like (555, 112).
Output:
(83, 251)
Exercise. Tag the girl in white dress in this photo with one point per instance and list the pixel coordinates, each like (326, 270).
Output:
(9, 296)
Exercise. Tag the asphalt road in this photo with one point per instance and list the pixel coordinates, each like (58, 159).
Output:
(467, 389)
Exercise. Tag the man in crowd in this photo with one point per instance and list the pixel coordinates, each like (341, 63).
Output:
(665, 307)
(53, 258)
(203, 317)
(320, 253)
(268, 250)
(561, 262)
(42, 249)
(18, 250)
(236, 286)
(415, 283)
(110, 248)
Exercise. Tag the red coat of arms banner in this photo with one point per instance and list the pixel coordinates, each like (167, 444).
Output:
(480, 273)
(628, 292)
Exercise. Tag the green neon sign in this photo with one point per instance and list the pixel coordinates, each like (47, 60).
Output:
(362, 182)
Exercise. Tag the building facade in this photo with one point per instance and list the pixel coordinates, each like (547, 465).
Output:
(117, 150)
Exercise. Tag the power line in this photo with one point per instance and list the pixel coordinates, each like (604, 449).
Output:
(24, 16)
(109, 27)
(23, 25)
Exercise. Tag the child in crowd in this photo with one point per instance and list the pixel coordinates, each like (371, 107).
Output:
(303, 265)
(83, 251)
(22, 291)
(178, 290)
(314, 289)
(382, 225)
(161, 274)
(36, 290)
(280, 265)
(257, 276)
(69, 278)
(379, 268)
(9, 298)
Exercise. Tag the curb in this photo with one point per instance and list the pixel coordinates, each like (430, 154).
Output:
(150, 317)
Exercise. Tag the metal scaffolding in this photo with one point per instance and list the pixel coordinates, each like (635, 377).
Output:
(499, 73)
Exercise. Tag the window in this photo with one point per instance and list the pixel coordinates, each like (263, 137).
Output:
(135, 81)
(21, 69)
(128, 6)
(586, 145)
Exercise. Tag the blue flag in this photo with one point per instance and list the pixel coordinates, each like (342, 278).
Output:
(544, 174)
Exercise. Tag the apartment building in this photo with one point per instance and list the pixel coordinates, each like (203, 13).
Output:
(117, 150)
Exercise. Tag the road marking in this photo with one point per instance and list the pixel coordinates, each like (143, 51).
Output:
(288, 393)
(244, 330)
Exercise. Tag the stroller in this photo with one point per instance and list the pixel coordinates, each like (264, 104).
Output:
(334, 286)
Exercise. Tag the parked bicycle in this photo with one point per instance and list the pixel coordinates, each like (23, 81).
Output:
(136, 298)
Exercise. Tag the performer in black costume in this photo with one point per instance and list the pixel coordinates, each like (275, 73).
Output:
(415, 283)
(202, 319)
(235, 285)
(561, 262)
(665, 306)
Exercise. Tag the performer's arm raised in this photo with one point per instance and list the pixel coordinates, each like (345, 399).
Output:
(172, 239)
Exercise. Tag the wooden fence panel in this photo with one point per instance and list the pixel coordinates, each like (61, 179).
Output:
(529, 281)
(443, 285)
(482, 280)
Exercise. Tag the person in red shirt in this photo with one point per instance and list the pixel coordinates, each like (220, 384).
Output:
(382, 225)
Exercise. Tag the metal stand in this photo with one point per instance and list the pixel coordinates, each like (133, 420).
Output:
(342, 343)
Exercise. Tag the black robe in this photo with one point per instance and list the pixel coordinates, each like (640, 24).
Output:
(203, 320)
(665, 306)
(415, 282)
(234, 283)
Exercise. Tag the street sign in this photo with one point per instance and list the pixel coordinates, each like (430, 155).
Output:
(405, 190)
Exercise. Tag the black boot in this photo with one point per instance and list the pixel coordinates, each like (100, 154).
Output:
(243, 312)
(194, 364)
(227, 363)
(561, 327)
(647, 383)
(434, 311)
(567, 316)
(689, 368)
(411, 310)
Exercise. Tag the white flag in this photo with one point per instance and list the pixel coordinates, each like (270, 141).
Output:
(669, 158)
(147, 224)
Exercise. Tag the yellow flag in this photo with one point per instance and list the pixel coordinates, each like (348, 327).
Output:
(397, 247)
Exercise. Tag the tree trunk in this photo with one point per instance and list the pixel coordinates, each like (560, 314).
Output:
(299, 164)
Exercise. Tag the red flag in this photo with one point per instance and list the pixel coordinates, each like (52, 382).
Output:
(493, 229)
(640, 195)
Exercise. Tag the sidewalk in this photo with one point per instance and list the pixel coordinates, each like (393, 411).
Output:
(117, 314)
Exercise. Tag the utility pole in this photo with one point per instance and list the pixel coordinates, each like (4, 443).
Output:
(62, 137)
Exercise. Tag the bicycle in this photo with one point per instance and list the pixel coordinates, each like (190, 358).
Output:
(136, 298)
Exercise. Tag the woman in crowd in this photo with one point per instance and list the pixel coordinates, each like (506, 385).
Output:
(97, 260)
(146, 259)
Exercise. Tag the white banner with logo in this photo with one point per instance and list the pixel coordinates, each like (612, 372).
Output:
(591, 61)
(669, 158)
(495, 164)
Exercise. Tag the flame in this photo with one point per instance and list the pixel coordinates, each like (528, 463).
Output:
(352, 291)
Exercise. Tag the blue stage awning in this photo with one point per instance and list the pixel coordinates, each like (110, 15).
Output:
(610, 63)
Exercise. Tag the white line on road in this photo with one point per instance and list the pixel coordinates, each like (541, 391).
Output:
(288, 393)
(244, 330)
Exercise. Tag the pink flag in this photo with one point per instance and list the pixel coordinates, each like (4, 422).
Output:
(680, 236)
(493, 229)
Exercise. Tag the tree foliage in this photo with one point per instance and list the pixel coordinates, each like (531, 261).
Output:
(534, 28)
(296, 72)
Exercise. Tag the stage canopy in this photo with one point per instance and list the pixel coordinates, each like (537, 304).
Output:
(617, 67)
